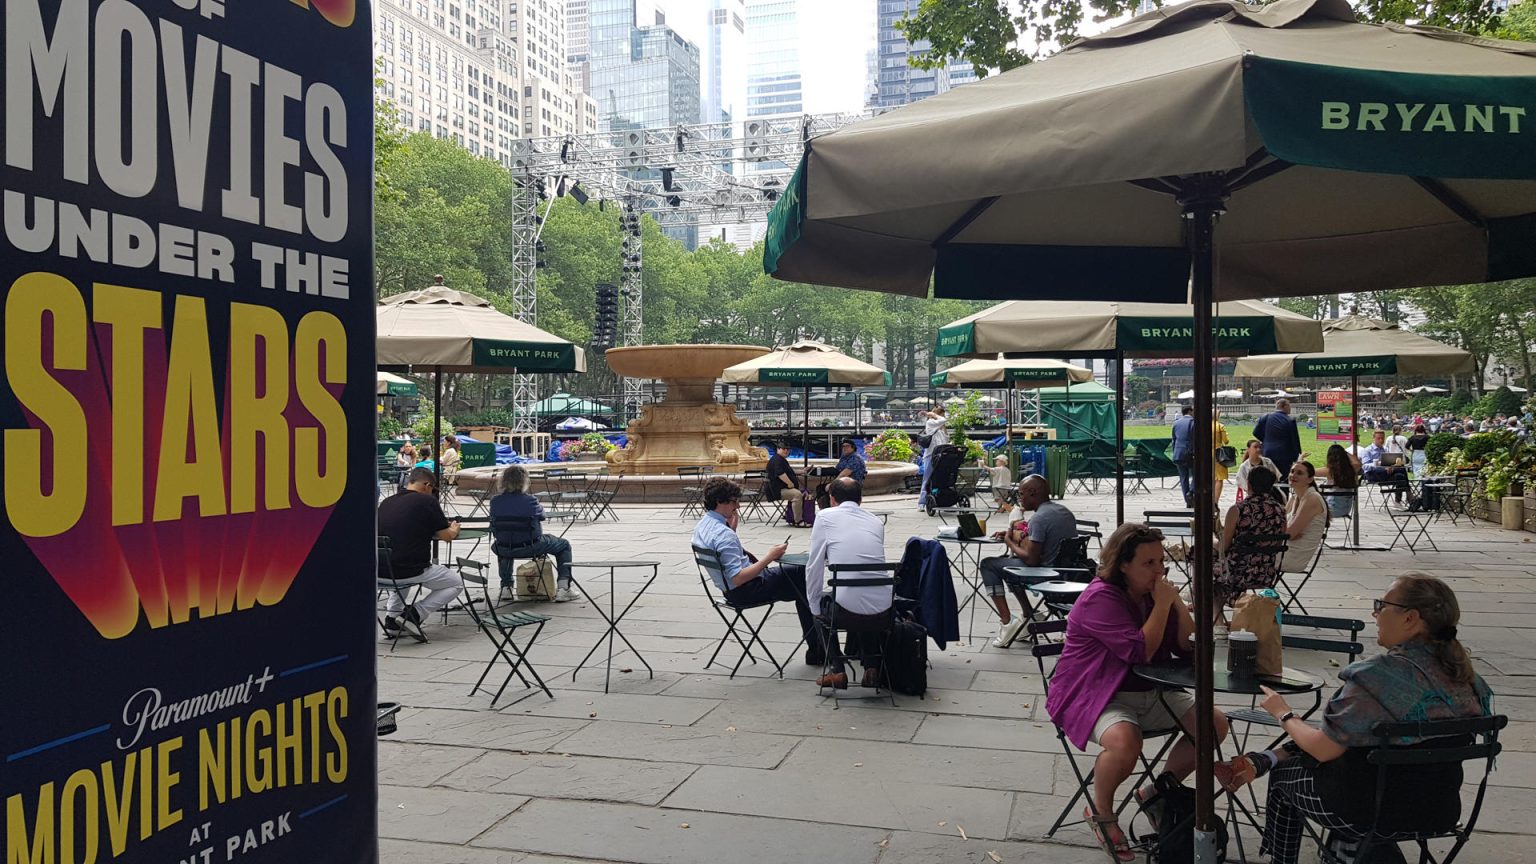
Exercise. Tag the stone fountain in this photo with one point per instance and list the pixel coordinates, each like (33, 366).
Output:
(689, 427)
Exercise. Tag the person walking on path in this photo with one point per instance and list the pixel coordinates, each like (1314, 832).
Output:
(1184, 453)
(1277, 431)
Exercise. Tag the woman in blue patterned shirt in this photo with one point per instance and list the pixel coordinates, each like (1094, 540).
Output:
(1322, 773)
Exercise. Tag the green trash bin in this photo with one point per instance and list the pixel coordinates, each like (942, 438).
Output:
(1056, 470)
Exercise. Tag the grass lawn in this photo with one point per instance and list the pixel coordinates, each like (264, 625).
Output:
(1239, 433)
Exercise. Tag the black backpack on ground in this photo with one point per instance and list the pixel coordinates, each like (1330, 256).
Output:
(906, 657)
(1172, 807)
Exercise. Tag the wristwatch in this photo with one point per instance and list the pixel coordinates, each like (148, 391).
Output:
(1289, 715)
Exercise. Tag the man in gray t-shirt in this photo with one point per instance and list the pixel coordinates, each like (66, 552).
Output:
(1050, 525)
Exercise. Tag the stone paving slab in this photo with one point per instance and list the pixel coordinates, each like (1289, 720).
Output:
(659, 835)
(543, 782)
(918, 765)
(843, 795)
(445, 815)
(545, 775)
(716, 745)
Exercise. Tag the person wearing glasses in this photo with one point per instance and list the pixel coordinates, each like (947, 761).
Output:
(1129, 615)
(1322, 774)
(412, 519)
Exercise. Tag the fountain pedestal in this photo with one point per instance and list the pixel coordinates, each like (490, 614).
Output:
(688, 427)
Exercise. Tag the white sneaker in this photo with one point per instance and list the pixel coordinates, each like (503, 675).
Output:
(1008, 632)
(565, 595)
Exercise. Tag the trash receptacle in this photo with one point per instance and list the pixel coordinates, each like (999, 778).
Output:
(1056, 470)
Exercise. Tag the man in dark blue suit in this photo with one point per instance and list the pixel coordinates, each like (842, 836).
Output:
(1184, 453)
(1276, 431)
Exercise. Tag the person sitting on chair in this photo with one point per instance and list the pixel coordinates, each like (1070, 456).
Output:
(749, 581)
(1034, 545)
(531, 543)
(851, 465)
(783, 485)
(1394, 477)
(1253, 457)
(1261, 513)
(848, 534)
(412, 519)
(1127, 616)
(1322, 774)
(1342, 474)
(451, 459)
(1002, 484)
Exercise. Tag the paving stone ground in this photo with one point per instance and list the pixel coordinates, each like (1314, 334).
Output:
(693, 766)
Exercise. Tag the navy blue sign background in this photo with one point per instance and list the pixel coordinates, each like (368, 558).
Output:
(187, 406)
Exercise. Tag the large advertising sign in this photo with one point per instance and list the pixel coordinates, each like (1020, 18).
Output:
(1335, 416)
(187, 409)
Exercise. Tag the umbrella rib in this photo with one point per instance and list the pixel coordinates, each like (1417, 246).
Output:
(1453, 202)
(1255, 175)
(965, 220)
(1157, 184)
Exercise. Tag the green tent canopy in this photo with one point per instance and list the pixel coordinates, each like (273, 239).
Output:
(566, 405)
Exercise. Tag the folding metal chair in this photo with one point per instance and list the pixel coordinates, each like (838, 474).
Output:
(1349, 647)
(1458, 741)
(386, 584)
(513, 526)
(605, 487)
(693, 496)
(829, 631)
(500, 628)
(1293, 595)
(710, 567)
(1044, 648)
(752, 483)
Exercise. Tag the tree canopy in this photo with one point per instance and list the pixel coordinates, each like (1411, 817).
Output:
(989, 33)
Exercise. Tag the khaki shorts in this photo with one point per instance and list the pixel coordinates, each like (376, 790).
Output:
(1143, 708)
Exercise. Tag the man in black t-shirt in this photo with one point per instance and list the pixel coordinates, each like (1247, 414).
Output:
(412, 519)
(783, 485)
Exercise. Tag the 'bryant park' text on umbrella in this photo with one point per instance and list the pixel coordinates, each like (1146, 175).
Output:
(1411, 117)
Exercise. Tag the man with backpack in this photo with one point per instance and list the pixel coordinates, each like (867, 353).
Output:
(1037, 544)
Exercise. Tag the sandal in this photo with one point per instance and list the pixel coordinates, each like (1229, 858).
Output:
(1117, 851)
(1150, 803)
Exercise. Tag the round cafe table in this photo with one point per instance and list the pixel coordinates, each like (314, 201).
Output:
(609, 616)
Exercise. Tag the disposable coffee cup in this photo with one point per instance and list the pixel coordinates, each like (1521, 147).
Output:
(1242, 653)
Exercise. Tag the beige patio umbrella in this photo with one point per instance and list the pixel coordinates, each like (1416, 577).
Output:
(390, 384)
(1356, 346)
(452, 331)
(1012, 374)
(807, 364)
(1116, 330)
(1336, 156)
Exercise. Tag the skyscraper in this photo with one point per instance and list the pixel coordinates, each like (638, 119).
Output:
(643, 75)
(898, 82)
(775, 84)
(723, 58)
(576, 42)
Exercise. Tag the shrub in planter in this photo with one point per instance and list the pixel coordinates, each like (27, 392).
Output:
(892, 445)
(1440, 444)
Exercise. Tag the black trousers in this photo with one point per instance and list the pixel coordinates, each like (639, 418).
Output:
(784, 582)
(865, 633)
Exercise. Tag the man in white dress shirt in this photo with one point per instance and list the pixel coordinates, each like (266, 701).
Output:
(848, 534)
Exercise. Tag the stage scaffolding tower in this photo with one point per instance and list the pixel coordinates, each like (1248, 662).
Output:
(711, 174)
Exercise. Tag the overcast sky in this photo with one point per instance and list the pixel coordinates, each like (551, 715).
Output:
(834, 37)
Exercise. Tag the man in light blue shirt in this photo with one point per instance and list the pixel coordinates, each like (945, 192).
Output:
(746, 581)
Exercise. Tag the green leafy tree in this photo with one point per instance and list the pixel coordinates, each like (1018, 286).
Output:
(988, 33)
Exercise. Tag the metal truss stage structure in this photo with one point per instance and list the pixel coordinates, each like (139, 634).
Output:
(682, 176)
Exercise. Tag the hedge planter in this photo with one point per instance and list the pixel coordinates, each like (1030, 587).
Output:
(1530, 509)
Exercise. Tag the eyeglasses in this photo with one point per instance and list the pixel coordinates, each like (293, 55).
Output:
(1378, 605)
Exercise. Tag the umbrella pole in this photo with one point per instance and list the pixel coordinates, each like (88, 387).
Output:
(805, 437)
(1119, 437)
(1201, 208)
(437, 422)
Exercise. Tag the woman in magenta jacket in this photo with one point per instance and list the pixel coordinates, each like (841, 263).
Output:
(1130, 615)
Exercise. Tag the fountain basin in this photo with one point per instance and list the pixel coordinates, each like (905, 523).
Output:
(688, 427)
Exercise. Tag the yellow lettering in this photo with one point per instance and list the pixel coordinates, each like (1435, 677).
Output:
(319, 329)
(289, 744)
(84, 783)
(336, 708)
(34, 513)
(258, 760)
(17, 848)
(210, 766)
(118, 801)
(189, 402)
(165, 817)
(129, 312)
(251, 415)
